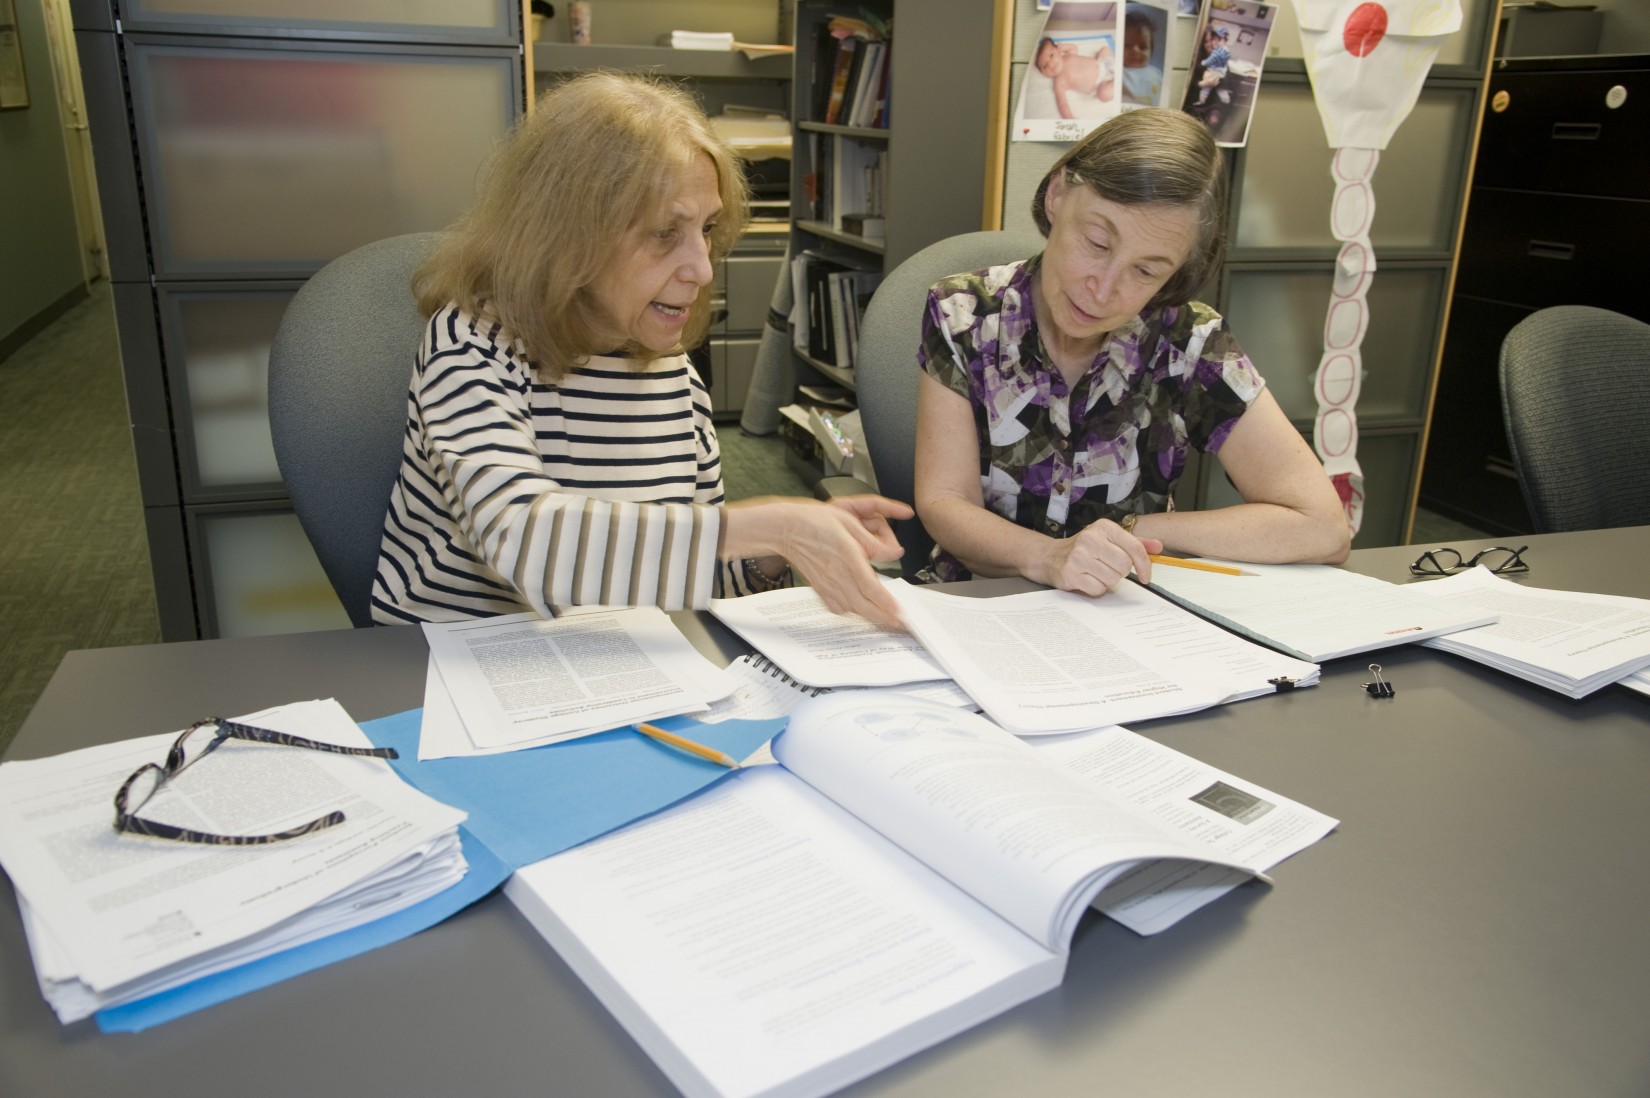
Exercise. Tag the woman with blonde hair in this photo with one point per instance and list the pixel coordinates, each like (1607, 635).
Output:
(1061, 394)
(559, 447)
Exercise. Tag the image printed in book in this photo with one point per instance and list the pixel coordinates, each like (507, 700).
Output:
(908, 871)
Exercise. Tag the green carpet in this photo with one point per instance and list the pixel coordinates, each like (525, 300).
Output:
(74, 566)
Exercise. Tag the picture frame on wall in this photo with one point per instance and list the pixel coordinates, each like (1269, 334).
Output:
(14, 81)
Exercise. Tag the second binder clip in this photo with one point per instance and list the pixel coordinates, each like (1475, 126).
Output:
(1380, 688)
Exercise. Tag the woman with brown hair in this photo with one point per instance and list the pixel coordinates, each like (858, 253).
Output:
(1060, 394)
(559, 447)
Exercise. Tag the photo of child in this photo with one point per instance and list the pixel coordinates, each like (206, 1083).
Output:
(1217, 61)
(1145, 29)
(1226, 66)
(1075, 75)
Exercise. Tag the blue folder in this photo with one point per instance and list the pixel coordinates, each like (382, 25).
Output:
(523, 805)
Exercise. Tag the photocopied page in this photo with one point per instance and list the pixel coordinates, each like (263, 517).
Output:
(122, 907)
(1245, 822)
(1054, 661)
(1314, 611)
(984, 809)
(518, 680)
(793, 628)
(1569, 641)
(758, 940)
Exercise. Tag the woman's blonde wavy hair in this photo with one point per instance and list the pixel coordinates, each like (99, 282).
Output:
(601, 154)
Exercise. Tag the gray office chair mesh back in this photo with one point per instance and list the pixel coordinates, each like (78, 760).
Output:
(1575, 396)
(887, 364)
(338, 374)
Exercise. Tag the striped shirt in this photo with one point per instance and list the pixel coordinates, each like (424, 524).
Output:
(602, 489)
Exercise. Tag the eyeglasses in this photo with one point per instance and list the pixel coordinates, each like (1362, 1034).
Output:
(198, 741)
(1497, 558)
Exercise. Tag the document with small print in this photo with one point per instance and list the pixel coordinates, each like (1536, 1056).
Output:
(519, 681)
(1571, 642)
(114, 917)
(1053, 661)
(815, 647)
(908, 871)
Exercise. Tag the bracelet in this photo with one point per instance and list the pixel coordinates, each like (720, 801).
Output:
(759, 581)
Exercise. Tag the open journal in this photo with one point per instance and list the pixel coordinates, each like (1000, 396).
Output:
(909, 871)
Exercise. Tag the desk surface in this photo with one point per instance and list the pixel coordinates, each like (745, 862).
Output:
(1475, 926)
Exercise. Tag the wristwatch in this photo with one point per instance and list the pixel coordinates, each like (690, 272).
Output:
(1127, 522)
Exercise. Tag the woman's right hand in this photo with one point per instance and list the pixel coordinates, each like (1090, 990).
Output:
(1096, 559)
(831, 544)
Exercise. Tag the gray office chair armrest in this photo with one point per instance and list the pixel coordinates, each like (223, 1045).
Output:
(834, 487)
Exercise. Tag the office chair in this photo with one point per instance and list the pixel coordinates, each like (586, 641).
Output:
(338, 374)
(1575, 398)
(886, 367)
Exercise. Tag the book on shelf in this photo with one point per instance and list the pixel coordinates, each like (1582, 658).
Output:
(828, 297)
(907, 871)
(842, 68)
(1314, 611)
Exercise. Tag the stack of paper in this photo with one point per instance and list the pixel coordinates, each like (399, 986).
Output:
(114, 917)
(1314, 611)
(1567, 641)
(698, 40)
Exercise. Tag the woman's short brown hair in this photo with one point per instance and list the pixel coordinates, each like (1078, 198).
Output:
(1147, 157)
(600, 154)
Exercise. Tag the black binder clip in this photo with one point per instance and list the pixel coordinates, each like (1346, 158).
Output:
(1282, 683)
(1380, 688)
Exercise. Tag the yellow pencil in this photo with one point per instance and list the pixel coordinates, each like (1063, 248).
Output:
(1201, 566)
(688, 745)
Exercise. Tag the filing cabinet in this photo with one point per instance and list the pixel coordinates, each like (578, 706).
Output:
(1559, 215)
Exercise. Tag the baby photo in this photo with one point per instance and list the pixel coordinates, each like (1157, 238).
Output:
(1073, 82)
(1145, 34)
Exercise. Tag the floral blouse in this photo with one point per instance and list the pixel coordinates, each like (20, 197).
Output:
(1055, 458)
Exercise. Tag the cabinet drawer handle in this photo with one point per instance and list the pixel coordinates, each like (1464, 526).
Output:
(1547, 249)
(1576, 131)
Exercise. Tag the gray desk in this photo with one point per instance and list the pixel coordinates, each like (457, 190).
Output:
(1477, 926)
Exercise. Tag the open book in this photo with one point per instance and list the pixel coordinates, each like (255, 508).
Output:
(908, 872)
(1314, 611)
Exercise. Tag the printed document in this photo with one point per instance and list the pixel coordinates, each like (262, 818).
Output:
(815, 647)
(116, 916)
(911, 871)
(1055, 661)
(520, 681)
(1569, 641)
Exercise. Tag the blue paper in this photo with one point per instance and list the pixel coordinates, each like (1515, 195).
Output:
(528, 805)
(523, 806)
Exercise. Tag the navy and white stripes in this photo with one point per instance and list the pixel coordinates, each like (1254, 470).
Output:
(515, 494)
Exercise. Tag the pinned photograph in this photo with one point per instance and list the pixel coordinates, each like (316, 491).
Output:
(1145, 42)
(1226, 62)
(1074, 80)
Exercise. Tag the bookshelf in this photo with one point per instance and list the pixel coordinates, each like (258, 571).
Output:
(921, 162)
